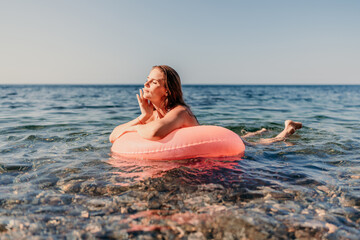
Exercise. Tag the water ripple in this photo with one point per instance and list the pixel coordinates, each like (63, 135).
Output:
(58, 179)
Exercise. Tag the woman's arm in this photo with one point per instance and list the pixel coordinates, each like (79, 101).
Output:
(146, 109)
(158, 129)
(119, 130)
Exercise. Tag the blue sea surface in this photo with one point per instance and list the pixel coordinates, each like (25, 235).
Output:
(59, 180)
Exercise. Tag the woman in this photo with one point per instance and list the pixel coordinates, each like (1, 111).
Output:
(163, 110)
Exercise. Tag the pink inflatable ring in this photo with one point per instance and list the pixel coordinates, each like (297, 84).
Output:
(183, 143)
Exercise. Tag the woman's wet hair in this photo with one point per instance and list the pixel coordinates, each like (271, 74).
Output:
(172, 85)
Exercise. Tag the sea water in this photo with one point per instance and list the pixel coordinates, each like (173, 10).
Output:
(59, 180)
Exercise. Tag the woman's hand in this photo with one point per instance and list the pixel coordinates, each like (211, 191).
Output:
(145, 105)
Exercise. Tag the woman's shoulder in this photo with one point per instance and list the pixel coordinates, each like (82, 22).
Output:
(179, 110)
(185, 113)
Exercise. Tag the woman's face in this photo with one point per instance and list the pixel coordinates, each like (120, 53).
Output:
(154, 88)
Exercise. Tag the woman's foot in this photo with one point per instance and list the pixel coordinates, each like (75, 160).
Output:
(291, 126)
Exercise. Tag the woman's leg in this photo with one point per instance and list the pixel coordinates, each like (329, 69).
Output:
(290, 128)
(251, 134)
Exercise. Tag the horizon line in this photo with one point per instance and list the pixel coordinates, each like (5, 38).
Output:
(186, 84)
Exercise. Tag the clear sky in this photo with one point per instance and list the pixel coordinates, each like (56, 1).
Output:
(207, 42)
